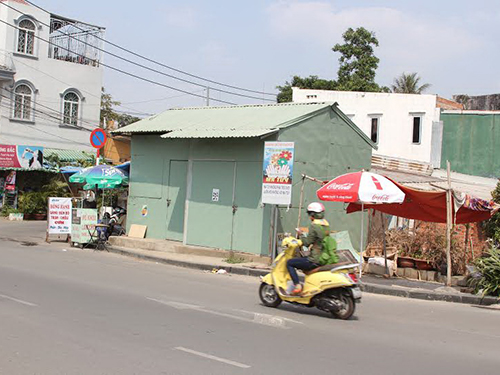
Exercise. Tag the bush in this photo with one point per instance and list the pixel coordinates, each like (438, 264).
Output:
(487, 280)
(7, 210)
(428, 243)
(492, 226)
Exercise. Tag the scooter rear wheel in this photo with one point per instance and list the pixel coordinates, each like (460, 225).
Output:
(268, 295)
(347, 307)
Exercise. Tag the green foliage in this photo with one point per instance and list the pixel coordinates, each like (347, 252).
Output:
(234, 259)
(358, 63)
(109, 114)
(487, 281)
(55, 162)
(35, 202)
(311, 82)
(107, 104)
(492, 226)
(7, 210)
(409, 84)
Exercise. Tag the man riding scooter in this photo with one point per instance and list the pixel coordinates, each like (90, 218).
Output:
(318, 230)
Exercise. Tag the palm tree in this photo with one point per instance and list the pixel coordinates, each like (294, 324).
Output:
(408, 84)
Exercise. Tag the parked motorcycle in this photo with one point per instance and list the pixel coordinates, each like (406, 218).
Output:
(114, 221)
(332, 288)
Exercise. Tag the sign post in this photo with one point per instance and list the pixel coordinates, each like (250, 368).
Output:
(98, 139)
(277, 180)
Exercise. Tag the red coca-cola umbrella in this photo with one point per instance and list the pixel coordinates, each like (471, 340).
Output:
(361, 187)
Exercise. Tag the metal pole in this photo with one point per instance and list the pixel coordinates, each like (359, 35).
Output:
(361, 240)
(448, 226)
(384, 244)
(301, 202)
(208, 96)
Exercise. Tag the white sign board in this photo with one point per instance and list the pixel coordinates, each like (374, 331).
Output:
(215, 195)
(59, 216)
(278, 172)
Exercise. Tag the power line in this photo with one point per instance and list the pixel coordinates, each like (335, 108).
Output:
(161, 64)
(51, 116)
(120, 70)
(33, 126)
(141, 65)
(56, 113)
(70, 85)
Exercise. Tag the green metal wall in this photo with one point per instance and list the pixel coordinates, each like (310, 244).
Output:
(471, 142)
(325, 147)
(156, 177)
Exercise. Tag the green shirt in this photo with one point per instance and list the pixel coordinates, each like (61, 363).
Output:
(317, 231)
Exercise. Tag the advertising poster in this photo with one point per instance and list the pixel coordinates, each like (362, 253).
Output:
(82, 224)
(277, 173)
(27, 157)
(59, 217)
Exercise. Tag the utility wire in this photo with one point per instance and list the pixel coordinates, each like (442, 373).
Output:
(161, 64)
(34, 127)
(140, 65)
(55, 114)
(70, 85)
(122, 71)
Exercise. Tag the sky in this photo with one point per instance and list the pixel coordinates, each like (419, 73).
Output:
(452, 44)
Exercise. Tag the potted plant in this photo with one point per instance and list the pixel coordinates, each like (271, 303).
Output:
(33, 205)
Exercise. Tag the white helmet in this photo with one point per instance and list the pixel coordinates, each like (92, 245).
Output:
(316, 207)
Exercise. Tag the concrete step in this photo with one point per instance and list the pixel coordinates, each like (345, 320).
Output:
(178, 248)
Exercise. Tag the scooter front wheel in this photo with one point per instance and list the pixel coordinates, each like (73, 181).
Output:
(268, 295)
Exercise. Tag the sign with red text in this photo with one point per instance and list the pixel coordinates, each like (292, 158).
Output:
(59, 216)
(277, 173)
(27, 157)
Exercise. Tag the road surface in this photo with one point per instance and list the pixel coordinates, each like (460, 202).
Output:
(71, 311)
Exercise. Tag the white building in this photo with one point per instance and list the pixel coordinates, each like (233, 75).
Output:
(49, 93)
(404, 126)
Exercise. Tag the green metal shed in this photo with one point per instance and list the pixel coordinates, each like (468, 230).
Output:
(181, 155)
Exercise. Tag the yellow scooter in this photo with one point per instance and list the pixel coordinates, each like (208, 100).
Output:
(332, 288)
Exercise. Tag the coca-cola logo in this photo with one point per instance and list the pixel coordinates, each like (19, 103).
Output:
(335, 186)
(380, 198)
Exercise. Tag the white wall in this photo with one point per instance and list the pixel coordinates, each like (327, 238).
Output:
(395, 112)
(51, 78)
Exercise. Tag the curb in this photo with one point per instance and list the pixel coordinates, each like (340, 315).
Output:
(365, 287)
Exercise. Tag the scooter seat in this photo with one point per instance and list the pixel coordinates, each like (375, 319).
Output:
(327, 267)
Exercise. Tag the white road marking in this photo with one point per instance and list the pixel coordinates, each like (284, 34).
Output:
(212, 357)
(268, 316)
(269, 320)
(18, 300)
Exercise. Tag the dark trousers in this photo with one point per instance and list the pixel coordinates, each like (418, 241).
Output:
(300, 263)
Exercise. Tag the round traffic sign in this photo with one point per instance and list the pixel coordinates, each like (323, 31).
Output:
(98, 138)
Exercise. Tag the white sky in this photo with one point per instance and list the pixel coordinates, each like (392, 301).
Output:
(257, 44)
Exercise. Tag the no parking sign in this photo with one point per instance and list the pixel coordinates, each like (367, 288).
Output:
(98, 138)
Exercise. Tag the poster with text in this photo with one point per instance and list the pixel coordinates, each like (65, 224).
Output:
(83, 224)
(277, 173)
(27, 157)
(59, 217)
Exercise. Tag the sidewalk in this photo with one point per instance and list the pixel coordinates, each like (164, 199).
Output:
(370, 284)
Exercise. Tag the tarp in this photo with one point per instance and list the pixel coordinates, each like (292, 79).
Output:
(427, 206)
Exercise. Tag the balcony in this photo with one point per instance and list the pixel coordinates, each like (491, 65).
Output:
(75, 42)
(7, 69)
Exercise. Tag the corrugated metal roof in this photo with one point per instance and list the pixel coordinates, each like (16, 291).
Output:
(234, 121)
(217, 133)
(68, 155)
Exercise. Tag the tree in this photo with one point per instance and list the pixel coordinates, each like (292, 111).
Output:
(408, 84)
(311, 82)
(358, 63)
(107, 104)
(109, 114)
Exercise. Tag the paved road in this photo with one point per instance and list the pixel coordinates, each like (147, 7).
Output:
(69, 311)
